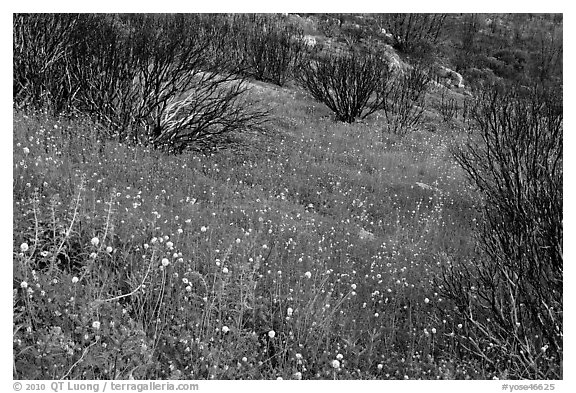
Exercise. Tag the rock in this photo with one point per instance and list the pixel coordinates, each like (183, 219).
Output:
(455, 78)
(366, 235)
(394, 62)
(309, 40)
(425, 186)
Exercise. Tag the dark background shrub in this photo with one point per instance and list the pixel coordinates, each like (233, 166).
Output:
(411, 33)
(271, 47)
(404, 99)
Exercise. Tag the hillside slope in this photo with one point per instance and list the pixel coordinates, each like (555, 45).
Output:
(322, 232)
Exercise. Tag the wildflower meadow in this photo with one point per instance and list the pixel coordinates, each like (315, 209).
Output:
(312, 249)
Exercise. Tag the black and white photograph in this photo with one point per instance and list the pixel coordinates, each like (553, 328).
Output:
(328, 196)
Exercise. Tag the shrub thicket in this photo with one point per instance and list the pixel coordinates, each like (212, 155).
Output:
(152, 79)
(350, 84)
(329, 25)
(414, 33)
(271, 48)
(404, 100)
(515, 47)
(356, 84)
(448, 107)
(41, 46)
(511, 297)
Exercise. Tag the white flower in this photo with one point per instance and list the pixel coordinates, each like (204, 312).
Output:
(24, 284)
(108, 249)
(165, 262)
(433, 330)
(353, 286)
(93, 255)
(24, 247)
(180, 230)
(225, 270)
(185, 280)
(308, 274)
(339, 356)
(95, 241)
(26, 150)
(74, 280)
(335, 364)
(289, 311)
(225, 329)
(244, 359)
(380, 366)
(154, 240)
(298, 375)
(426, 300)
(169, 244)
(203, 229)
(459, 326)
(188, 288)
(238, 241)
(96, 325)
(271, 334)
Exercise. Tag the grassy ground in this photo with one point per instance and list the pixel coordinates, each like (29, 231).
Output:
(311, 254)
